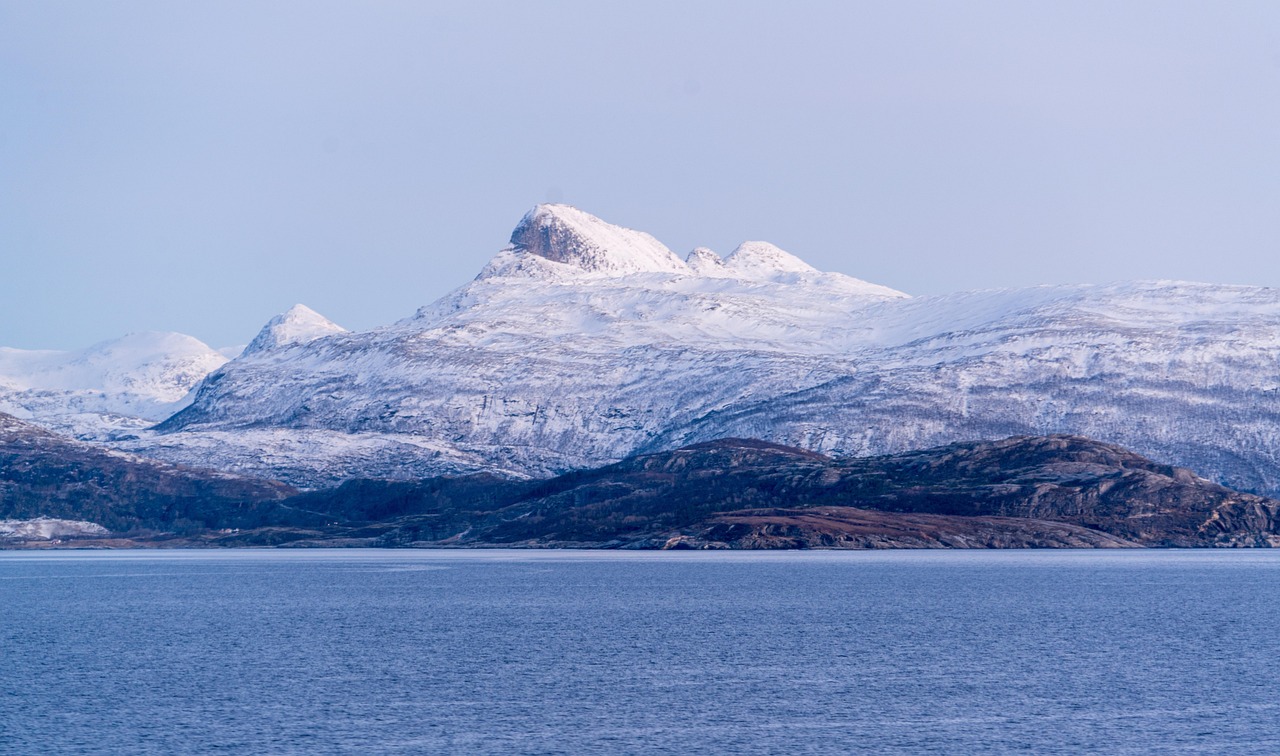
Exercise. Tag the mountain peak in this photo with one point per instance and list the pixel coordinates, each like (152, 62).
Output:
(296, 325)
(762, 259)
(565, 234)
(703, 261)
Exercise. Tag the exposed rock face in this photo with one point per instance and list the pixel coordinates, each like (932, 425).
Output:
(567, 235)
(704, 262)
(1244, 522)
(852, 528)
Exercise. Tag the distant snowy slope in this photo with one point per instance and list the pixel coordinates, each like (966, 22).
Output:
(119, 385)
(583, 342)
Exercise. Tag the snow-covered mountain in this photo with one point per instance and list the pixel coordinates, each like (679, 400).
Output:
(116, 386)
(582, 342)
(297, 325)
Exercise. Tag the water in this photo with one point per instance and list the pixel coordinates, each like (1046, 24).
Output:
(590, 652)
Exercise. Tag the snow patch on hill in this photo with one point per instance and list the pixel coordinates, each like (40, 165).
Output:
(48, 528)
(757, 259)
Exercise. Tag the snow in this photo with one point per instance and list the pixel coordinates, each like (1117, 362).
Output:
(113, 386)
(314, 457)
(47, 528)
(757, 259)
(297, 325)
(138, 361)
(565, 234)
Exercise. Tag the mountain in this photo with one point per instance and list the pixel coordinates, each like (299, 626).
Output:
(51, 484)
(112, 388)
(1185, 373)
(297, 325)
(582, 343)
(493, 376)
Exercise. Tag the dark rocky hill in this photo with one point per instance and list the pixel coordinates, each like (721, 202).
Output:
(1035, 491)
(1049, 491)
(46, 475)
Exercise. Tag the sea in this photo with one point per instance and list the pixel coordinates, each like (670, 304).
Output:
(594, 652)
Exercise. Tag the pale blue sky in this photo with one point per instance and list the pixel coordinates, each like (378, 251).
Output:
(198, 167)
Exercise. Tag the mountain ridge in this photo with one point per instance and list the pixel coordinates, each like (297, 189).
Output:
(538, 366)
(582, 343)
(565, 234)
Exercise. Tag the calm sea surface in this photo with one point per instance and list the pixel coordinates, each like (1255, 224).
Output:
(340, 651)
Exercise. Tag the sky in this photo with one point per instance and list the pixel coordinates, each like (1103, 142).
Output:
(200, 167)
